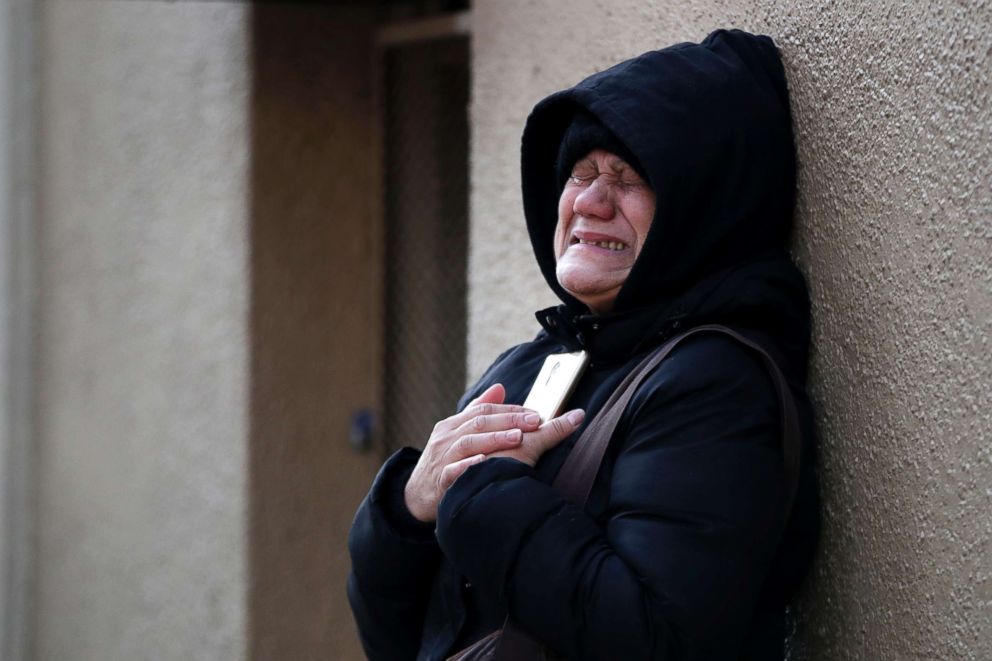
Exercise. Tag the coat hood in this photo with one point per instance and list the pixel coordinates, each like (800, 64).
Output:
(710, 125)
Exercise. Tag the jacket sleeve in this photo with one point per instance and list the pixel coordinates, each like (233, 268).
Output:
(393, 561)
(674, 569)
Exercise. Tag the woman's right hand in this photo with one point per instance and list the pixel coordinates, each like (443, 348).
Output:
(485, 426)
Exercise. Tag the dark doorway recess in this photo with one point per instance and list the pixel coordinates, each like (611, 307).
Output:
(358, 217)
(315, 251)
(426, 185)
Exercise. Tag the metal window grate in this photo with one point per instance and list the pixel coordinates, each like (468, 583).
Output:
(426, 207)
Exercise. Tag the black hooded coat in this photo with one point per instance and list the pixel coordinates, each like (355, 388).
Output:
(681, 551)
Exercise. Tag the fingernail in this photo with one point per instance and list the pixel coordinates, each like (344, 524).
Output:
(513, 435)
(532, 419)
(576, 417)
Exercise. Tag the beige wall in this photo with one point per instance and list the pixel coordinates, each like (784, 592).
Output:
(142, 331)
(894, 130)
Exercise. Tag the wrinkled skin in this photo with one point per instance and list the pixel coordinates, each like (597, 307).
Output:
(604, 214)
(486, 427)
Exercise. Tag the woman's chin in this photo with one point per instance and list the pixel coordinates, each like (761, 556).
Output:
(598, 296)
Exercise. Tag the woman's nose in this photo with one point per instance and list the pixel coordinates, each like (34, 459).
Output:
(595, 200)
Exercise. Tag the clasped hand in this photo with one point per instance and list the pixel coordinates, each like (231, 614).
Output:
(485, 428)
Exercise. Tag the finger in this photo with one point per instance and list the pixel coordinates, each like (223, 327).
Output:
(523, 420)
(476, 409)
(494, 394)
(451, 472)
(473, 444)
(556, 430)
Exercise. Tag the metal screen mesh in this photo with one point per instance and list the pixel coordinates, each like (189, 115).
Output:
(426, 206)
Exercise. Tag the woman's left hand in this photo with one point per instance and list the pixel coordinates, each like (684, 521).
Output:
(542, 439)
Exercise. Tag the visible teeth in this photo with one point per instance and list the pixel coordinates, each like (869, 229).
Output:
(609, 245)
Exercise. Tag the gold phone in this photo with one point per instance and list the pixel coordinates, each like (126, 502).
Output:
(555, 382)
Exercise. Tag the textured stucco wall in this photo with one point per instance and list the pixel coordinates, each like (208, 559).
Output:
(142, 355)
(891, 106)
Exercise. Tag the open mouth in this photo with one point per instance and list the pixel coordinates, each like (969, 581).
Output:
(609, 245)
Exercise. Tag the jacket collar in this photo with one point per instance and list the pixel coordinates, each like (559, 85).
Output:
(610, 338)
(766, 295)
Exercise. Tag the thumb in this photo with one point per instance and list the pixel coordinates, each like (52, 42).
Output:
(554, 431)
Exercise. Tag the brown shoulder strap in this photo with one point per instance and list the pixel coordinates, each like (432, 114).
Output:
(576, 477)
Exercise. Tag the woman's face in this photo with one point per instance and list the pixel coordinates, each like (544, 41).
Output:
(604, 214)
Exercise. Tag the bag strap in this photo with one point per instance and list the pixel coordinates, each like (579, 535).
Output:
(576, 476)
(575, 479)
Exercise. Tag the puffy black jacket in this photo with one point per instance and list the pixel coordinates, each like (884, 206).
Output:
(681, 551)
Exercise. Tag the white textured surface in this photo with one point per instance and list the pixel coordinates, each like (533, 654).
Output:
(894, 132)
(143, 345)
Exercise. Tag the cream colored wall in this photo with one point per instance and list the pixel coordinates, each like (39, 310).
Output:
(894, 132)
(142, 331)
